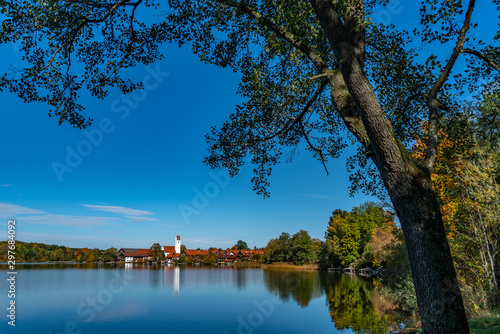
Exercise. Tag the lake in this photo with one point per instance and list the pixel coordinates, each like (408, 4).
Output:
(130, 298)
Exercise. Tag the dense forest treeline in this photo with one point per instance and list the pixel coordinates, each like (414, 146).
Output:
(39, 252)
(359, 238)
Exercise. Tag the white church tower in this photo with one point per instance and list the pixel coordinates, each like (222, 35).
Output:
(178, 244)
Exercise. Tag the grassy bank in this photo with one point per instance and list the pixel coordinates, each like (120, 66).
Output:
(245, 264)
(290, 266)
(490, 325)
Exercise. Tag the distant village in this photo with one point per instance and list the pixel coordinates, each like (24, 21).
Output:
(174, 254)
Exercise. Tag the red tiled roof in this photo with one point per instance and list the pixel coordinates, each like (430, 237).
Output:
(230, 254)
(194, 252)
(134, 252)
(173, 255)
(169, 249)
(245, 252)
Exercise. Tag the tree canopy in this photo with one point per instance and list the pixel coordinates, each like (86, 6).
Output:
(241, 245)
(298, 249)
(280, 48)
(348, 233)
(319, 70)
(156, 252)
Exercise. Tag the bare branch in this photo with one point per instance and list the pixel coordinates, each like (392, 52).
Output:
(432, 102)
(482, 56)
(314, 148)
(132, 33)
(287, 127)
(456, 52)
(282, 32)
(110, 11)
(323, 75)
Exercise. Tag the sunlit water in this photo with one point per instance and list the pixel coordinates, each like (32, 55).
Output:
(78, 299)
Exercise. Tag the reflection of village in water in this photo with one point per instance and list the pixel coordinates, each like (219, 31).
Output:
(166, 278)
(172, 275)
(353, 302)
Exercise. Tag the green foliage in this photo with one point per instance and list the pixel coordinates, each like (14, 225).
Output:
(104, 39)
(465, 177)
(367, 258)
(348, 233)
(210, 258)
(156, 252)
(487, 125)
(302, 248)
(182, 259)
(87, 45)
(297, 249)
(110, 254)
(256, 257)
(241, 245)
(37, 252)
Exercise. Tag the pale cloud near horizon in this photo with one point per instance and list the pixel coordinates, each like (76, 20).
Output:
(5, 185)
(206, 241)
(34, 216)
(118, 209)
(79, 240)
(13, 209)
(170, 225)
(140, 219)
(66, 220)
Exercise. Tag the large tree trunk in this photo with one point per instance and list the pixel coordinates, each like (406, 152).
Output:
(410, 189)
(436, 286)
(409, 186)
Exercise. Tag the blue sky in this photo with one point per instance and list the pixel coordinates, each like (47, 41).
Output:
(135, 183)
(140, 173)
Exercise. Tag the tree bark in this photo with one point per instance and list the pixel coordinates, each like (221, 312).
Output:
(409, 185)
(436, 286)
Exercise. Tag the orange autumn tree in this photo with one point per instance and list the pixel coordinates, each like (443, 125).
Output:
(464, 181)
(445, 185)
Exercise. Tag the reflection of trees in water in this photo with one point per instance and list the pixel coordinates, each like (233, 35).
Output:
(300, 286)
(353, 302)
(350, 304)
(154, 277)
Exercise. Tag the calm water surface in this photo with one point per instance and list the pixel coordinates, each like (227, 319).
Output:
(78, 299)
